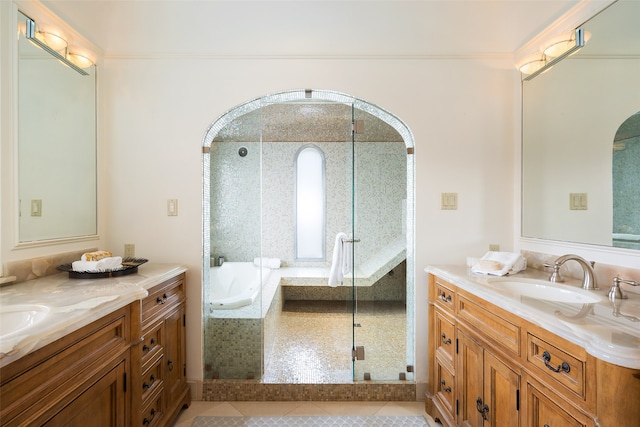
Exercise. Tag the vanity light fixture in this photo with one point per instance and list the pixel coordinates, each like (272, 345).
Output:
(554, 53)
(532, 63)
(563, 43)
(51, 43)
(54, 41)
(80, 60)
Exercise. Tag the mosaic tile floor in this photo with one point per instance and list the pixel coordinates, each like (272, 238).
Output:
(314, 421)
(314, 340)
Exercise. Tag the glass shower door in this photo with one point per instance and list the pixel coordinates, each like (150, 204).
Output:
(378, 230)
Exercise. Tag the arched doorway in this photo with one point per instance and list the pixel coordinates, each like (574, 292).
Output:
(249, 222)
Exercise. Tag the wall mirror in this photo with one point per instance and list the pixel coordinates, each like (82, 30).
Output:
(56, 146)
(571, 185)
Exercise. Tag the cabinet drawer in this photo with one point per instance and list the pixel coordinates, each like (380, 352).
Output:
(444, 337)
(152, 343)
(490, 324)
(153, 413)
(444, 295)
(152, 380)
(445, 387)
(544, 410)
(162, 298)
(556, 366)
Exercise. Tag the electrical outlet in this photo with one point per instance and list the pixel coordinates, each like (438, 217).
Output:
(129, 250)
(493, 247)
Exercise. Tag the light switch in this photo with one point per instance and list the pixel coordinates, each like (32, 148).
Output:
(449, 201)
(578, 201)
(36, 207)
(172, 207)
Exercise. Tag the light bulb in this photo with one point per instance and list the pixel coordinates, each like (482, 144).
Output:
(80, 60)
(54, 41)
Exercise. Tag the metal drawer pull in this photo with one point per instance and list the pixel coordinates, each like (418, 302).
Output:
(445, 340)
(484, 410)
(444, 297)
(146, 348)
(162, 300)
(563, 367)
(148, 421)
(170, 365)
(152, 380)
(445, 389)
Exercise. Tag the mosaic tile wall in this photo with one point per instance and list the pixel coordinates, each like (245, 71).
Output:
(237, 198)
(391, 287)
(262, 181)
(240, 390)
(626, 191)
(240, 347)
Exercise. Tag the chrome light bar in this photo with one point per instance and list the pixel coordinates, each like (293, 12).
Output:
(30, 33)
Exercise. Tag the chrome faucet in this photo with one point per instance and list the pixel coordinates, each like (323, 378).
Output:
(589, 279)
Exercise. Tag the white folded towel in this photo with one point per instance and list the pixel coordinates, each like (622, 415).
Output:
(272, 263)
(341, 261)
(105, 264)
(500, 263)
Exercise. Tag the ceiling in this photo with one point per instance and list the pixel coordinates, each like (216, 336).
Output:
(308, 28)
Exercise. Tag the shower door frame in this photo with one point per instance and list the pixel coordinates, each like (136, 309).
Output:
(323, 95)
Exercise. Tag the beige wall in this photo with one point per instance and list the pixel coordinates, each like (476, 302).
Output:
(155, 113)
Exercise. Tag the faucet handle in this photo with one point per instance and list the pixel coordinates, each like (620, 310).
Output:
(615, 293)
(555, 277)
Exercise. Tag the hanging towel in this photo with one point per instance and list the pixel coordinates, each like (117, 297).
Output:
(500, 263)
(341, 261)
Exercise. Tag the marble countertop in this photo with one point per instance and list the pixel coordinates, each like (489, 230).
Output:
(609, 333)
(69, 304)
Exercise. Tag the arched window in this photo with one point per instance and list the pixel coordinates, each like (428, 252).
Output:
(310, 204)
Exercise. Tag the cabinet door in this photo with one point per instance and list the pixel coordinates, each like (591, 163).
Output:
(470, 380)
(501, 393)
(101, 405)
(175, 357)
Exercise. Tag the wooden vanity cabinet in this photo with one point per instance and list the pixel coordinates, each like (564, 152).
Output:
(78, 380)
(158, 356)
(501, 370)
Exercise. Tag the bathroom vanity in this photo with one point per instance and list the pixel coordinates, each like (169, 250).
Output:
(502, 358)
(106, 352)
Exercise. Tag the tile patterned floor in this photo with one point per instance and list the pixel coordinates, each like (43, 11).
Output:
(313, 421)
(314, 340)
(291, 408)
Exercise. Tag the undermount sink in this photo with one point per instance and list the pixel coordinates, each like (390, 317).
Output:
(16, 318)
(540, 289)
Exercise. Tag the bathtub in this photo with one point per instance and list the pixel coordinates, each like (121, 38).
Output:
(236, 284)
